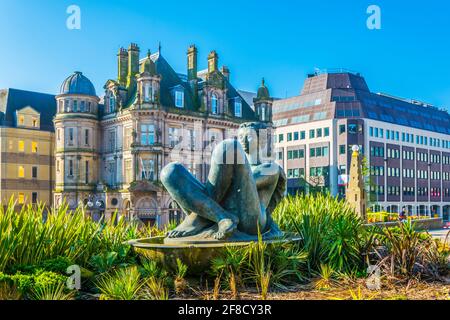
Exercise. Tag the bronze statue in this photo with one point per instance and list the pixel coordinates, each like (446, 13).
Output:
(240, 195)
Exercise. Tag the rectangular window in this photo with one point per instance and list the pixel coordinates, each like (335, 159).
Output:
(70, 168)
(342, 149)
(34, 198)
(312, 152)
(71, 136)
(290, 155)
(281, 138)
(21, 198)
(147, 134)
(21, 146)
(192, 139)
(312, 134)
(148, 169)
(179, 99)
(302, 135)
(112, 141)
(238, 109)
(21, 172)
(21, 120)
(342, 129)
(87, 173)
(34, 147)
(326, 132)
(34, 172)
(86, 137)
(296, 136)
(319, 133)
(289, 137)
(173, 137)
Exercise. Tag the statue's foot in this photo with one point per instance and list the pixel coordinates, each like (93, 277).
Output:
(192, 226)
(226, 228)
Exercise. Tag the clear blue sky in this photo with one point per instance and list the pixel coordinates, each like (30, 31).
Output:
(280, 40)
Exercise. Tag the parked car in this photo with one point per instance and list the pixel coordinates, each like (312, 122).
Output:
(447, 225)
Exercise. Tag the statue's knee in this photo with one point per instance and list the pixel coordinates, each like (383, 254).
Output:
(228, 150)
(170, 172)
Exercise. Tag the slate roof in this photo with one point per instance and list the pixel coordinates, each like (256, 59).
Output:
(171, 79)
(12, 100)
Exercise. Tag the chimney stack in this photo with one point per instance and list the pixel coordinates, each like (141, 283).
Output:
(122, 58)
(213, 62)
(226, 72)
(133, 64)
(192, 62)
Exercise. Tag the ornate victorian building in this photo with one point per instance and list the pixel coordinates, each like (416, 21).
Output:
(109, 153)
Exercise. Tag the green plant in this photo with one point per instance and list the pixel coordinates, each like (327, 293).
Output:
(104, 262)
(156, 290)
(9, 291)
(180, 281)
(325, 280)
(411, 254)
(123, 284)
(52, 293)
(30, 237)
(331, 232)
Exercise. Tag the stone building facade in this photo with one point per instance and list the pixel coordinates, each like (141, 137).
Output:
(26, 147)
(406, 144)
(109, 154)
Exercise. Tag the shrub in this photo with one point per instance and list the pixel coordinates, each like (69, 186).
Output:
(52, 293)
(331, 232)
(27, 239)
(123, 284)
(411, 254)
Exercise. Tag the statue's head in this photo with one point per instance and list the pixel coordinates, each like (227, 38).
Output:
(253, 136)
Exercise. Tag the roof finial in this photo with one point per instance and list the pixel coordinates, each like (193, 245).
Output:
(263, 82)
(159, 48)
(149, 53)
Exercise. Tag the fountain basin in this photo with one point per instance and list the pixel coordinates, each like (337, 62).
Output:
(197, 255)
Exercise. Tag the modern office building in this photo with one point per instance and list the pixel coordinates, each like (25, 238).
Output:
(406, 143)
(26, 146)
(109, 154)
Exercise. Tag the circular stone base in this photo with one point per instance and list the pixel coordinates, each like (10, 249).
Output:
(196, 253)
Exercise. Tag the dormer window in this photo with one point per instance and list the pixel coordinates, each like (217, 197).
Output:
(82, 106)
(112, 103)
(214, 104)
(28, 118)
(179, 99)
(238, 108)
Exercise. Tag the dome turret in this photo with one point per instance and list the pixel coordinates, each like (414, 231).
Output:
(77, 83)
(263, 92)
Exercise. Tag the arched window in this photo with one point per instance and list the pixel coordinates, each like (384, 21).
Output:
(214, 104)
(148, 92)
